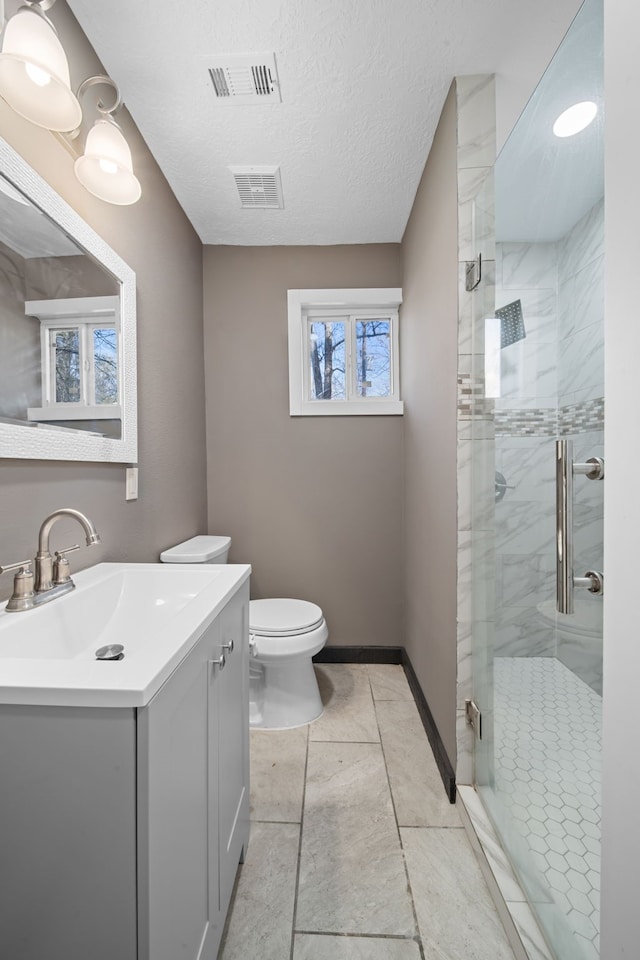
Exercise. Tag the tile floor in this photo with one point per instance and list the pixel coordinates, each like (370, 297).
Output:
(547, 772)
(355, 851)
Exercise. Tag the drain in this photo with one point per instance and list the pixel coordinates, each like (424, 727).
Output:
(113, 651)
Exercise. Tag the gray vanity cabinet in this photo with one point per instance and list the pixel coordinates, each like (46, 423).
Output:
(193, 793)
(193, 804)
(121, 829)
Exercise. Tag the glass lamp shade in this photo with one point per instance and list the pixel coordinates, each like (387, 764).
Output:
(106, 169)
(34, 73)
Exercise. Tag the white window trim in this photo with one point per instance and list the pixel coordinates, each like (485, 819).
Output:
(84, 313)
(347, 302)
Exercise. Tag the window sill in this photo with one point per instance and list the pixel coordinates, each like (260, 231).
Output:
(72, 411)
(348, 408)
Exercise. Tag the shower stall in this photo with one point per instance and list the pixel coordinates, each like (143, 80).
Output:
(537, 460)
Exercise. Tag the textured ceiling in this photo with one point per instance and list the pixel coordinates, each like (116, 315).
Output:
(362, 81)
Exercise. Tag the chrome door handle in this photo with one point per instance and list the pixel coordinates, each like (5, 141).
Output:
(228, 646)
(566, 469)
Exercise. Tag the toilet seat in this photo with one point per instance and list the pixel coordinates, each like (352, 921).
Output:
(281, 617)
(283, 629)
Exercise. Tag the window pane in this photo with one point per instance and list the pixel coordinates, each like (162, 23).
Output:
(105, 360)
(327, 360)
(373, 363)
(66, 363)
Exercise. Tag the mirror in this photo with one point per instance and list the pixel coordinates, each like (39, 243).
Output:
(67, 329)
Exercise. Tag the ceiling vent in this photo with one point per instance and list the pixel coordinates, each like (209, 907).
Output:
(245, 78)
(260, 188)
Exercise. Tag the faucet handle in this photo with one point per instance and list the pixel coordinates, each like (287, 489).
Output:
(63, 553)
(22, 596)
(16, 566)
(61, 573)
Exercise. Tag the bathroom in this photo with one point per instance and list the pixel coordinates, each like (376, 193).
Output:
(218, 451)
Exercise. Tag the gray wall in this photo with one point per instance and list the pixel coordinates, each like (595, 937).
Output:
(156, 240)
(621, 759)
(429, 371)
(313, 503)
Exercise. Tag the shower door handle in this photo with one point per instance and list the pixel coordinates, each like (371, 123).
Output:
(566, 469)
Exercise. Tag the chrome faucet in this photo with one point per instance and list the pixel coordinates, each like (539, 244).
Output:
(52, 577)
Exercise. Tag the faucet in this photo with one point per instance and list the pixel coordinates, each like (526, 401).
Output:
(52, 578)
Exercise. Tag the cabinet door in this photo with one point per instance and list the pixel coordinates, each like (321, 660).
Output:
(233, 735)
(176, 922)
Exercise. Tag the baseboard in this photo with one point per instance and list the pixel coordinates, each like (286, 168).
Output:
(364, 654)
(433, 735)
(359, 655)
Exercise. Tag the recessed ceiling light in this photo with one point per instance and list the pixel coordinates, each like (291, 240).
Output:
(575, 119)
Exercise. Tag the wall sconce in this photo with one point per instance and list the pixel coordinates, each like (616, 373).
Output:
(106, 169)
(35, 82)
(34, 72)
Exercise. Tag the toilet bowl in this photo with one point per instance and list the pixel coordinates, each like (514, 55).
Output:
(284, 634)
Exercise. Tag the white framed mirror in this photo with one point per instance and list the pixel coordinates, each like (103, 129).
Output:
(67, 329)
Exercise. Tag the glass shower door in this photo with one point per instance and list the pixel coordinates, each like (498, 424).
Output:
(538, 671)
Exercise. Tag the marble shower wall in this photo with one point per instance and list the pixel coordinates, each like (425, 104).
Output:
(581, 402)
(476, 154)
(552, 385)
(526, 425)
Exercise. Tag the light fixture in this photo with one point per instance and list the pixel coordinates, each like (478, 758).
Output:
(34, 73)
(575, 118)
(106, 168)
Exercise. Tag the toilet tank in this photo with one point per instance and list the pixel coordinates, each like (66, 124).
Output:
(203, 549)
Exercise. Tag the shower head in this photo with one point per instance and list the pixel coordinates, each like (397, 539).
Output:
(511, 324)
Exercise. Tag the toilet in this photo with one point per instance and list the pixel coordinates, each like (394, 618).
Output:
(284, 635)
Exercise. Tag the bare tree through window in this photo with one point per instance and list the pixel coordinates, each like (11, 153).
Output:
(328, 358)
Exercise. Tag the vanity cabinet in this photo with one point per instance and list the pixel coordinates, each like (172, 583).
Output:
(193, 804)
(121, 829)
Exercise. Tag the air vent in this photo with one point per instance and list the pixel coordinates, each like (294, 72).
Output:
(260, 188)
(245, 78)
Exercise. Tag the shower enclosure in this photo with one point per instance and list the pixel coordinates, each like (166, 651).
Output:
(538, 527)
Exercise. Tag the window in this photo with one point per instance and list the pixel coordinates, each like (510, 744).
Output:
(343, 352)
(79, 359)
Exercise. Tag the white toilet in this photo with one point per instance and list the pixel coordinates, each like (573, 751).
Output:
(284, 636)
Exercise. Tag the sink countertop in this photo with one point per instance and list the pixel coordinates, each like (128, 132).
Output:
(157, 611)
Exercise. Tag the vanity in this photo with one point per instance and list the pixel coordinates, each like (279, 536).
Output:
(124, 808)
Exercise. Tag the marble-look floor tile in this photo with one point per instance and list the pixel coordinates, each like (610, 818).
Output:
(352, 874)
(529, 932)
(456, 916)
(317, 947)
(416, 785)
(261, 914)
(277, 774)
(388, 682)
(348, 705)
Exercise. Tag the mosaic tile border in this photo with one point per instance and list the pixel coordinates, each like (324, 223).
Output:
(472, 404)
(582, 417)
(572, 418)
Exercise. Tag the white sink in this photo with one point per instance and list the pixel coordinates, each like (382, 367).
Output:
(156, 611)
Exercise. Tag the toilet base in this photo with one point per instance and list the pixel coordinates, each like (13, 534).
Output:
(283, 694)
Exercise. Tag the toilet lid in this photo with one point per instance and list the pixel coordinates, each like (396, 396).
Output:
(283, 617)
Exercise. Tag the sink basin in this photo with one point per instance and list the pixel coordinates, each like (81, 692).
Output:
(156, 611)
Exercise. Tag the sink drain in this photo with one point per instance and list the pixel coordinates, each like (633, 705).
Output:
(114, 651)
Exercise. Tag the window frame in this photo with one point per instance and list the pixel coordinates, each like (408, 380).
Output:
(350, 305)
(84, 314)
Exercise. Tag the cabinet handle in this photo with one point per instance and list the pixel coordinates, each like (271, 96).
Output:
(220, 662)
(228, 646)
